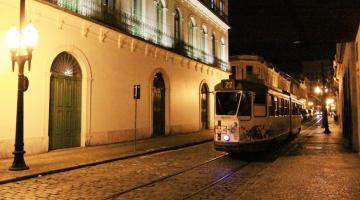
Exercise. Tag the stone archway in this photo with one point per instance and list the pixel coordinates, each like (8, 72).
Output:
(65, 102)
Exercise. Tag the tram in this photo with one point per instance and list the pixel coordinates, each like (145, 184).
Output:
(249, 115)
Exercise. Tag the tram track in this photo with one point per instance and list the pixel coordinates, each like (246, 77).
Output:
(153, 185)
(160, 179)
(210, 184)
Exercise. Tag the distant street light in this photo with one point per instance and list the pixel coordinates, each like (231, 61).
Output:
(21, 46)
(317, 90)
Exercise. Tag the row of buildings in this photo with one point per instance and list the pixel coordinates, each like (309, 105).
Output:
(347, 78)
(89, 56)
(254, 67)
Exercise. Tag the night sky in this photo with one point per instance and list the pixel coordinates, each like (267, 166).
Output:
(287, 32)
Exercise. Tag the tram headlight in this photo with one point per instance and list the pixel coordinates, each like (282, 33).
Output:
(226, 137)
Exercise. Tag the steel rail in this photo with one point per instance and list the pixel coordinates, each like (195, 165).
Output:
(163, 178)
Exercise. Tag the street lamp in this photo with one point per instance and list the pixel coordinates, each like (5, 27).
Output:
(21, 45)
(317, 90)
(325, 117)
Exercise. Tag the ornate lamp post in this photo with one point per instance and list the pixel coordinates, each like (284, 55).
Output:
(325, 115)
(21, 46)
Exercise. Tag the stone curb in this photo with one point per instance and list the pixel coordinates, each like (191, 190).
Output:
(122, 157)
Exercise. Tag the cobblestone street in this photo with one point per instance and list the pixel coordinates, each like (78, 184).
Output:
(103, 181)
(311, 166)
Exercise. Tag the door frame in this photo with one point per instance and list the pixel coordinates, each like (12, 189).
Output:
(86, 85)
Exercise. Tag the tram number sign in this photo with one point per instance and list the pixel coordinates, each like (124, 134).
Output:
(228, 84)
(136, 91)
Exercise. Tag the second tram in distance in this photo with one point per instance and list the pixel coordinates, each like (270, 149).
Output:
(250, 115)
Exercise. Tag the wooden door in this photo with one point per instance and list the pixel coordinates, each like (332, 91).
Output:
(65, 112)
(158, 105)
(204, 106)
(65, 103)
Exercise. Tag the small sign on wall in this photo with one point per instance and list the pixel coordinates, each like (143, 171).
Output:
(136, 91)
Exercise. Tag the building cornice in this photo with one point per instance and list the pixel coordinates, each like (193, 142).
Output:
(198, 6)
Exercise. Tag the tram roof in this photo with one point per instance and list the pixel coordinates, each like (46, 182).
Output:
(245, 85)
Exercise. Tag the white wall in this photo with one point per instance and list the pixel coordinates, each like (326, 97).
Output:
(111, 64)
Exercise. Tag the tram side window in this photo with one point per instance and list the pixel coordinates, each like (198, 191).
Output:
(293, 107)
(260, 104)
(281, 106)
(245, 104)
(276, 109)
(286, 107)
(272, 106)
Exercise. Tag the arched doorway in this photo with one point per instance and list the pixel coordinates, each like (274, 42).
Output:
(158, 96)
(65, 102)
(204, 96)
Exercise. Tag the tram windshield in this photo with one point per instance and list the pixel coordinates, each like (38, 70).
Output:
(227, 103)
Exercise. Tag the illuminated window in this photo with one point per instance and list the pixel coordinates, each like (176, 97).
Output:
(191, 35)
(212, 3)
(222, 49)
(213, 44)
(222, 7)
(159, 20)
(177, 27)
(203, 42)
(137, 16)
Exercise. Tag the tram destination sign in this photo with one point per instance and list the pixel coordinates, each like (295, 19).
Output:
(228, 84)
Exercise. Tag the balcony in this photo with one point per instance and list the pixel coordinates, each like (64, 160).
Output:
(134, 26)
(216, 10)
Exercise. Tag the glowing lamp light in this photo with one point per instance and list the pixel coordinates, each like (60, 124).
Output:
(317, 90)
(30, 36)
(310, 103)
(226, 138)
(329, 101)
(13, 39)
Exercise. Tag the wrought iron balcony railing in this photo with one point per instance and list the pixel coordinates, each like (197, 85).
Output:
(215, 9)
(134, 26)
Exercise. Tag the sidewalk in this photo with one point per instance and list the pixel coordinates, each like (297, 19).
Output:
(67, 159)
(317, 167)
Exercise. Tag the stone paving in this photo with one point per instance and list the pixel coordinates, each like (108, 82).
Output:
(311, 166)
(318, 167)
(61, 159)
(103, 181)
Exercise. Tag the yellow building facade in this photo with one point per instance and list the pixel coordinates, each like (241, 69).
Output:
(90, 55)
(347, 77)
